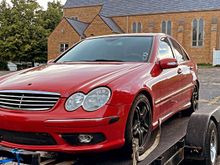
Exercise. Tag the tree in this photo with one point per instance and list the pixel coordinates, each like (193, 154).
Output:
(24, 28)
(53, 15)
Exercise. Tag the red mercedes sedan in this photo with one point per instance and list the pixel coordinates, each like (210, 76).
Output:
(98, 95)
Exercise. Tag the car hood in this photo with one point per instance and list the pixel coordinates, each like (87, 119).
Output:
(68, 78)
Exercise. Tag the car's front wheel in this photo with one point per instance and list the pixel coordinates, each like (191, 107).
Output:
(139, 124)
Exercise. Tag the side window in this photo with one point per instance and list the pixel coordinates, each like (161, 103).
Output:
(165, 50)
(179, 53)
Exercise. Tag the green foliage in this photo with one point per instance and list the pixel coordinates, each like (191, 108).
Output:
(24, 28)
(3, 65)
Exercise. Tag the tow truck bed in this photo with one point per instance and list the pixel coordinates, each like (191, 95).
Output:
(170, 150)
(173, 131)
(175, 128)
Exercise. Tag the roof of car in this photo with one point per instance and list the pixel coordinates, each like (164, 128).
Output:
(134, 7)
(128, 35)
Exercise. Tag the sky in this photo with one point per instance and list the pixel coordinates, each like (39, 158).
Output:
(43, 3)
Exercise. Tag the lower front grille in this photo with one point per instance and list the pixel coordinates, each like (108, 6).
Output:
(73, 139)
(27, 138)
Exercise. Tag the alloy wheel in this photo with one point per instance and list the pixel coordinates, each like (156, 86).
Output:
(141, 124)
(213, 147)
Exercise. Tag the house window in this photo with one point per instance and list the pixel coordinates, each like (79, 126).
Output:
(166, 27)
(198, 32)
(134, 27)
(137, 27)
(63, 47)
(75, 18)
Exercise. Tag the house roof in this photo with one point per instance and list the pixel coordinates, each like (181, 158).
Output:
(111, 24)
(79, 26)
(133, 7)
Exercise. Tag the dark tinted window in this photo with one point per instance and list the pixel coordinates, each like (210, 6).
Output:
(63, 47)
(180, 55)
(198, 32)
(126, 49)
(166, 27)
(165, 49)
(139, 27)
(134, 27)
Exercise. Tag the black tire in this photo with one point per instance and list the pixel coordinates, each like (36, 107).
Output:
(211, 141)
(194, 100)
(130, 132)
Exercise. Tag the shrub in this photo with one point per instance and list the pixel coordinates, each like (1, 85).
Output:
(3, 65)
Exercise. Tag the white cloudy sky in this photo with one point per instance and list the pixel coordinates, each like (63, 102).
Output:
(43, 3)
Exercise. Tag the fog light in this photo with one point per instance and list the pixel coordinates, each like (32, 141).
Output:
(83, 138)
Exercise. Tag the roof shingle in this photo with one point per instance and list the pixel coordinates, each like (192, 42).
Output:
(79, 26)
(111, 24)
(135, 7)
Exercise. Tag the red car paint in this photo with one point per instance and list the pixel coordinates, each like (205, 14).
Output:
(170, 91)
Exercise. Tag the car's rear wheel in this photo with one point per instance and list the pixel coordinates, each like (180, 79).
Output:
(139, 124)
(194, 100)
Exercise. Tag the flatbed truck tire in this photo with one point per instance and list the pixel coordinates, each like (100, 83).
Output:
(211, 143)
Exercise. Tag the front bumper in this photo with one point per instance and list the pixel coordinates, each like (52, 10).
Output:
(112, 127)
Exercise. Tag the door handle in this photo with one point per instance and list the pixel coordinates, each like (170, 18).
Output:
(179, 71)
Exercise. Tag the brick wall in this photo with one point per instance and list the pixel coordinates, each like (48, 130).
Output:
(97, 27)
(181, 30)
(63, 33)
(85, 14)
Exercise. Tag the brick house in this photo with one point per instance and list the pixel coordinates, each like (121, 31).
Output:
(195, 24)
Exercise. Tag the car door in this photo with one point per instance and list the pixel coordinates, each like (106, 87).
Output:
(186, 78)
(170, 79)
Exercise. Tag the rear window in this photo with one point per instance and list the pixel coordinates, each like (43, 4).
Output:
(121, 49)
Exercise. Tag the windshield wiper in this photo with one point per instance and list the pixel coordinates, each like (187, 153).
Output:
(106, 60)
(97, 60)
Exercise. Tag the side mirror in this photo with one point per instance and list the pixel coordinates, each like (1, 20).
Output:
(50, 61)
(168, 63)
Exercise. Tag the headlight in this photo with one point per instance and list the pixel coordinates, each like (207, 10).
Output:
(96, 99)
(74, 101)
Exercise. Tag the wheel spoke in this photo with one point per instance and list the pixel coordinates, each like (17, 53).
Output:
(146, 126)
(144, 113)
(141, 137)
(144, 129)
(135, 129)
(138, 113)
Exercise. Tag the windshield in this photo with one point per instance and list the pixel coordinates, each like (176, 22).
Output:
(113, 49)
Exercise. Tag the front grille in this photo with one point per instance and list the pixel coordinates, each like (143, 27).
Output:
(28, 100)
(27, 138)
